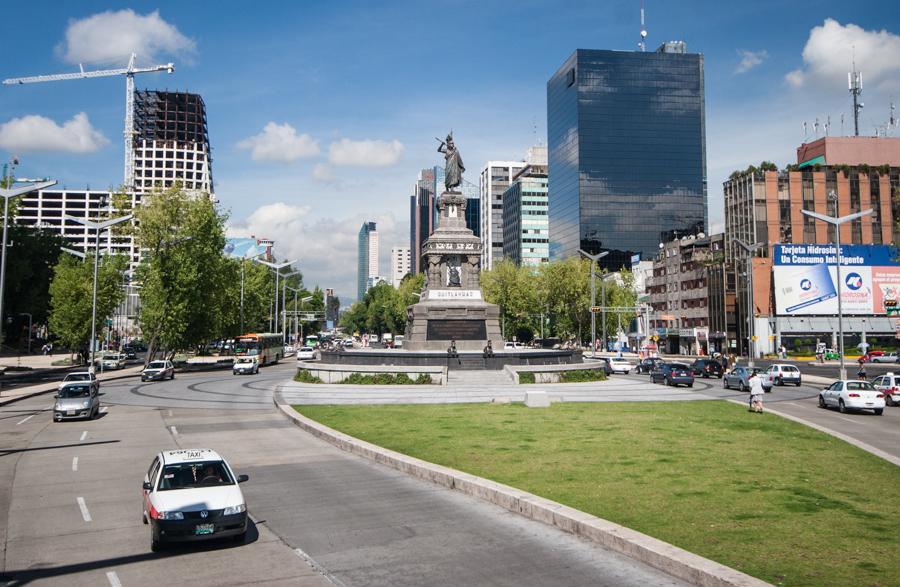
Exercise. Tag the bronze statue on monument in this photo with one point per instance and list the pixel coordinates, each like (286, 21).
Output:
(453, 168)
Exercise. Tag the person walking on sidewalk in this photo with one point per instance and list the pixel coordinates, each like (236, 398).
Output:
(756, 393)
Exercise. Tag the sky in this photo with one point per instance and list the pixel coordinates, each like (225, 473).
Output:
(321, 114)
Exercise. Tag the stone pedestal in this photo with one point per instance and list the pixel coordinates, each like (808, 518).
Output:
(452, 307)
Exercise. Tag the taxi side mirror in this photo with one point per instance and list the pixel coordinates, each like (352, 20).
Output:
(147, 486)
(242, 478)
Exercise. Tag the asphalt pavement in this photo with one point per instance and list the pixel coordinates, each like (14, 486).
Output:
(72, 494)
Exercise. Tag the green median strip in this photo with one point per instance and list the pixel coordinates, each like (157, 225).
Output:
(764, 495)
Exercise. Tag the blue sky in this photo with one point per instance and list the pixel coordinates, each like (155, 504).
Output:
(321, 113)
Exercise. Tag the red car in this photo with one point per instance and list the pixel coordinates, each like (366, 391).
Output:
(869, 355)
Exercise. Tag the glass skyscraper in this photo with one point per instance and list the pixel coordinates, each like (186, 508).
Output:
(627, 152)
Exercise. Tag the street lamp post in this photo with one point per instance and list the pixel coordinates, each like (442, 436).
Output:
(603, 278)
(594, 259)
(277, 267)
(98, 227)
(836, 222)
(7, 192)
(284, 302)
(242, 286)
(749, 249)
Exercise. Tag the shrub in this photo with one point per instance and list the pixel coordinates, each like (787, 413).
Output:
(581, 375)
(304, 376)
(387, 379)
(526, 377)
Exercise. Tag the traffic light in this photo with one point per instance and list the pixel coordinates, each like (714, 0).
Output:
(595, 309)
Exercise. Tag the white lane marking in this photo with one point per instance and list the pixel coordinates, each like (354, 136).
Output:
(74, 463)
(174, 430)
(84, 511)
(113, 579)
(847, 420)
(103, 410)
(23, 420)
(83, 436)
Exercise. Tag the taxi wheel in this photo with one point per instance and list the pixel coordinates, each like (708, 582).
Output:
(842, 407)
(155, 545)
(821, 402)
(879, 411)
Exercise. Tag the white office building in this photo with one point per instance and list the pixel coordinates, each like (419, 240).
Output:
(400, 264)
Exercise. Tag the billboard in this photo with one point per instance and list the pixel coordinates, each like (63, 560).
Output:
(241, 247)
(805, 279)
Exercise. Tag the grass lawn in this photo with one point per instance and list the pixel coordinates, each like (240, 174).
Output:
(756, 492)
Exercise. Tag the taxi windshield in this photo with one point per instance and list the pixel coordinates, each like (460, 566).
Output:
(157, 365)
(192, 475)
(245, 360)
(72, 391)
(78, 377)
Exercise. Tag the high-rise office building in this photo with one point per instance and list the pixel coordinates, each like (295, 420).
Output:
(525, 225)
(368, 258)
(399, 264)
(494, 180)
(627, 152)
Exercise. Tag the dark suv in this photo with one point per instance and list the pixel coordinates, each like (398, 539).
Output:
(707, 368)
(647, 365)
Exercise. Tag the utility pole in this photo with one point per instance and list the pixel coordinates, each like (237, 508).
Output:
(749, 249)
(594, 259)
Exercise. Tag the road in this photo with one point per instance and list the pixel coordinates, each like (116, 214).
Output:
(70, 503)
(832, 368)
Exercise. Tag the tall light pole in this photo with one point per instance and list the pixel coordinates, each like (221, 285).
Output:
(242, 286)
(836, 222)
(284, 302)
(98, 227)
(749, 249)
(7, 191)
(277, 267)
(603, 278)
(594, 259)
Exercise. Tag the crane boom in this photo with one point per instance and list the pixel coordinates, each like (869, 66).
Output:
(128, 72)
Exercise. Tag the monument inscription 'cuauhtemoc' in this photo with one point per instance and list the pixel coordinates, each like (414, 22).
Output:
(452, 307)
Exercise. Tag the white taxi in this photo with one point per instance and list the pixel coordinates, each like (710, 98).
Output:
(192, 494)
(889, 385)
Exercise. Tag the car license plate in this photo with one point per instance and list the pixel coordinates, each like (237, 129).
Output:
(70, 413)
(204, 529)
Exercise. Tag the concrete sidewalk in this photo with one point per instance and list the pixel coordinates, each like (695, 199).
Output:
(13, 395)
(34, 361)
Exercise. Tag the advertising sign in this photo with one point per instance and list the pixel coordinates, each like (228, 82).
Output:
(805, 279)
(241, 247)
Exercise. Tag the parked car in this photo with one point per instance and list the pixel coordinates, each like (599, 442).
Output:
(158, 370)
(672, 374)
(306, 353)
(848, 395)
(739, 378)
(832, 355)
(112, 361)
(129, 352)
(889, 385)
(76, 400)
(192, 494)
(81, 377)
(646, 365)
(620, 365)
(707, 368)
(510, 345)
(780, 374)
(248, 365)
(885, 358)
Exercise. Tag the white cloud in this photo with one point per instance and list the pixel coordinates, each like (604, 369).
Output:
(750, 59)
(830, 48)
(365, 153)
(111, 37)
(37, 133)
(326, 248)
(322, 173)
(280, 143)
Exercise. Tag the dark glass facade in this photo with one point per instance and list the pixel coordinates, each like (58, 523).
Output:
(627, 153)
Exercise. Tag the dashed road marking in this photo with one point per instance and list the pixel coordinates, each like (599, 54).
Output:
(847, 420)
(74, 463)
(83, 436)
(174, 430)
(113, 579)
(23, 420)
(84, 511)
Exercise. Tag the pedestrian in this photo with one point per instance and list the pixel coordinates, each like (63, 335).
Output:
(756, 393)
(861, 374)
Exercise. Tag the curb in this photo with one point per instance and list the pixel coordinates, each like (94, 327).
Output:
(656, 553)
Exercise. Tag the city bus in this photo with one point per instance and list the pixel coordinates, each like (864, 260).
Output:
(267, 347)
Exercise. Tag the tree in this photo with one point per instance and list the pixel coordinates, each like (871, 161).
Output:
(185, 300)
(513, 288)
(71, 297)
(568, 294)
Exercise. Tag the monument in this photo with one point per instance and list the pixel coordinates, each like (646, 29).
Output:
(452, 308)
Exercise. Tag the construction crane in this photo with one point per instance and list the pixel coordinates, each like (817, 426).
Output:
(128, 72)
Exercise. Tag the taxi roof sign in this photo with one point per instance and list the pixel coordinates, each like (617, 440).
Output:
(190, 454)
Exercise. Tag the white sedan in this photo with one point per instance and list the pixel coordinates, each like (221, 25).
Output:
(306, 353)
(848, 395)
(192, 494)
(620, 365)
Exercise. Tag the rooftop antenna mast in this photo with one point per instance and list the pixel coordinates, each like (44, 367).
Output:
(854, 81)
(642, 44)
